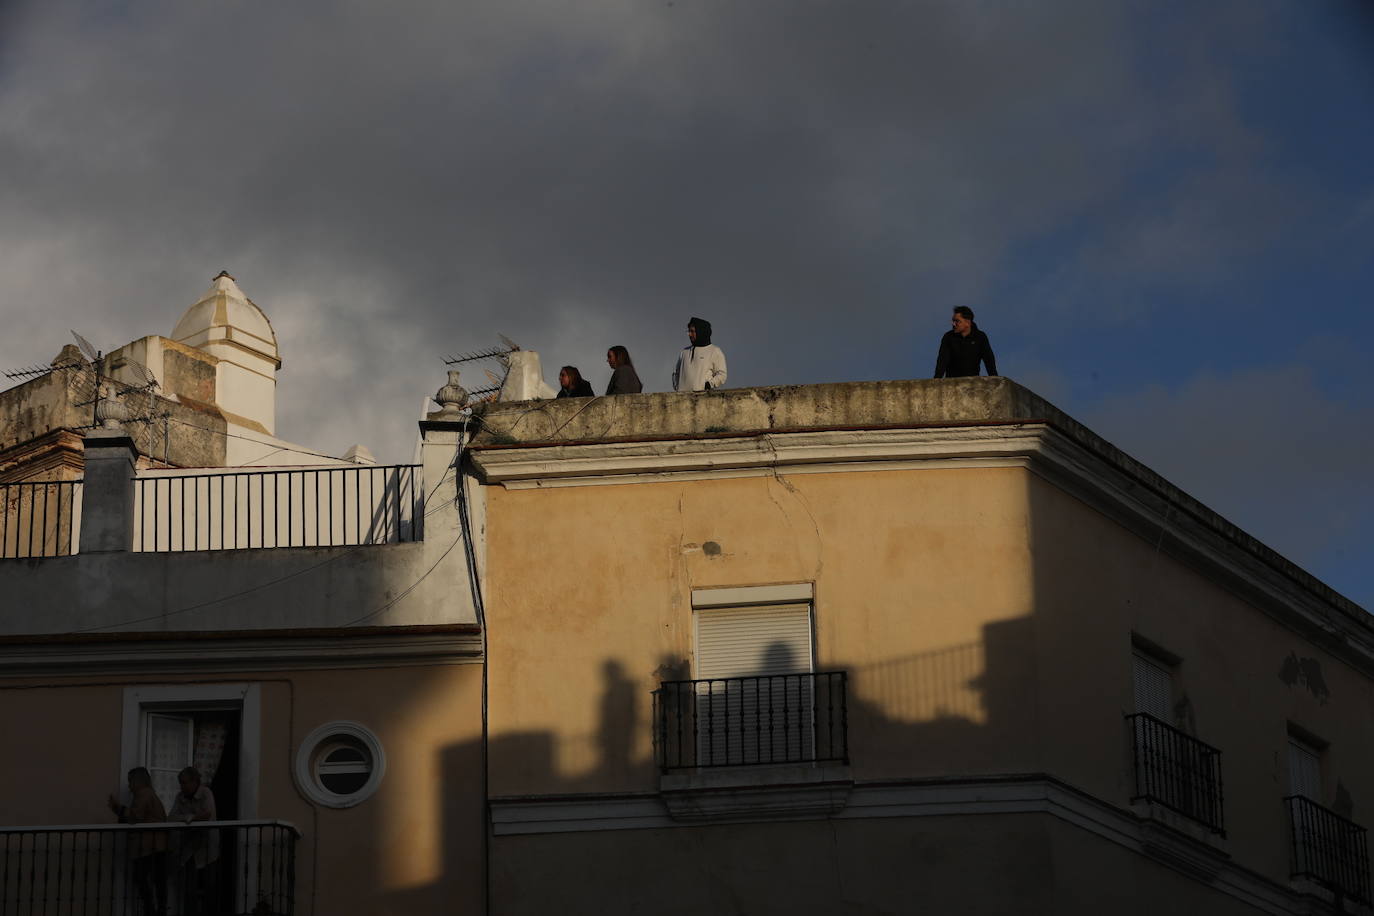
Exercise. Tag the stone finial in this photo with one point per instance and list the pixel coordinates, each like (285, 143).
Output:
(452, 398)
(110, 410)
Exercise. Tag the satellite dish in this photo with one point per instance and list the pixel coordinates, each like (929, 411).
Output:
(87, 347)
(129, 400)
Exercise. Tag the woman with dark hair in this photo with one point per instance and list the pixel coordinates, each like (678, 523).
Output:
(573, 385)
(624, 380)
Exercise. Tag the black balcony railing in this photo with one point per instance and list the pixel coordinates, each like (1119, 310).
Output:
(1175, 770)
(37, 519)
(302, 507)
(213, 868)
(1329, 849)
(746, 721)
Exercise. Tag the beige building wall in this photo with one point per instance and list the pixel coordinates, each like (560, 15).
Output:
(919, 578)
(1242, 677)
(986, 618)
(414, 846)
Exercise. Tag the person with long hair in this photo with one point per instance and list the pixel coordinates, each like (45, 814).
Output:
(573, 385)
(624, 378)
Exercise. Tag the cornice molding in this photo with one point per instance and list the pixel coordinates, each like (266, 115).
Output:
(1104, 478)
(1015, 794)
(592, 463)
(55, 451)
(223, 653)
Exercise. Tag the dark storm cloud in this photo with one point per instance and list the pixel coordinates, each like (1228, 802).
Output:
(821, 180)
(430, 173)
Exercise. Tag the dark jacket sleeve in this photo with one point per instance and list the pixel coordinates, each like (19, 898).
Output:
(989, 359)
(624, 380)
(942, 360)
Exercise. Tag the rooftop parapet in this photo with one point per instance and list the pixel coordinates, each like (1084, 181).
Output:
(901, 403)
(560, 426)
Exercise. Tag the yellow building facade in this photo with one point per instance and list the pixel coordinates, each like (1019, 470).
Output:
(863, 648)
(980, 593)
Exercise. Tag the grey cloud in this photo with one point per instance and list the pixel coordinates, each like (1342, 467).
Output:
(394, 182)
(1268, 449)
(434, 173)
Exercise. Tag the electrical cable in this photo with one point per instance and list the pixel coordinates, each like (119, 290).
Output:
(220, 432)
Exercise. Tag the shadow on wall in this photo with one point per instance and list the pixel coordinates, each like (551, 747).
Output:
(964, 709)
(961, 708)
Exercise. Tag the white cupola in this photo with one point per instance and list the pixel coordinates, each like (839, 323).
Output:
(229, 326)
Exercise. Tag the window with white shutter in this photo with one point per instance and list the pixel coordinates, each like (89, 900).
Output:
(752, 705)
(739, 641)
(1154, 687)
(1304, 770)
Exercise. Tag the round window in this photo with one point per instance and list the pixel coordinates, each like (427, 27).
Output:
(340, 764)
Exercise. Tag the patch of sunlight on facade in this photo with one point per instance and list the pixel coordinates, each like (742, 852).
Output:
(422, 719)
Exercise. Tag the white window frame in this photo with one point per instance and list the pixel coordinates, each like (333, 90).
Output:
(181, 698)
(795, 593)
(305, 774)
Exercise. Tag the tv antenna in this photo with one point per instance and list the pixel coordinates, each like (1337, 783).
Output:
(92, 380)
(501, 354)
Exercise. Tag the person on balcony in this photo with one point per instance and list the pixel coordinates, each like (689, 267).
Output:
(199, 848)
(701, 364)
(573, 385)
(148, 847)
(624, 378)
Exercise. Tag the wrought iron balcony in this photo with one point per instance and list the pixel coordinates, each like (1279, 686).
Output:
(1176, 771)
(748, 721)
(214, 868)
(1329, 849)
(39, 519)
(300, 507)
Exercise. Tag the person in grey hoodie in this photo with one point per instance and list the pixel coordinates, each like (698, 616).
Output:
(701, 364)
(624, 378)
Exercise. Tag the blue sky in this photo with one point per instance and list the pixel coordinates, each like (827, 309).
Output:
(1163, 213)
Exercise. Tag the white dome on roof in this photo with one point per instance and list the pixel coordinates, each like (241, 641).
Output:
(228, 326)
(224, 313)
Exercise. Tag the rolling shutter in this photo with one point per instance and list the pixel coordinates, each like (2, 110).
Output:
(741, 641)
(1154, 688)
(1304, 771)
(754, 699)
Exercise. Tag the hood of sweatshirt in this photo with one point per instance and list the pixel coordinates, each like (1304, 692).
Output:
(703, 331)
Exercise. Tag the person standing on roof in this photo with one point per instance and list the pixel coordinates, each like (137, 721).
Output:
(624, 378)
(701, 364)
(963, 348)
(571, 384)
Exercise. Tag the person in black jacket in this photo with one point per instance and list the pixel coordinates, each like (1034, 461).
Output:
(963, 348)
(624, 380)
(573, 385)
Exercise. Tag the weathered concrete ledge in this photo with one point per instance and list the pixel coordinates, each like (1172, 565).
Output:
(747, 410)
(903, 403)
